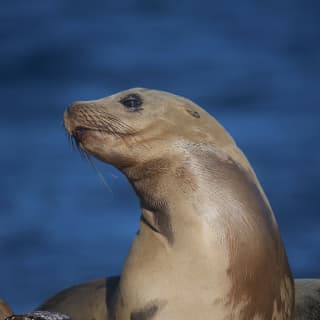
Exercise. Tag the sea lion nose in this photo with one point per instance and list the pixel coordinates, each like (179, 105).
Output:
(67, 120)
(74, 107)
(70, 114)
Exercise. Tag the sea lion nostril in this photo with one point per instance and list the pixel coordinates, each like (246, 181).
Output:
(74, 108)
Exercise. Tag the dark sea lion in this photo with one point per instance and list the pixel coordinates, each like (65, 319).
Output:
(208, 245)
(307, 299)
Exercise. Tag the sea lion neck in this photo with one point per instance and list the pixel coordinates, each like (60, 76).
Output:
(149, 180)
(199, 174)
(175, 189)
(180, 165)
(163, 204)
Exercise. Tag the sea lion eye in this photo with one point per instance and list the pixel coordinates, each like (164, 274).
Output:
(132, 101)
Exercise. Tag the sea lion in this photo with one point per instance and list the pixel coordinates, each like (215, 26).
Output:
(5, 310)
(307, 299)
(208, 245)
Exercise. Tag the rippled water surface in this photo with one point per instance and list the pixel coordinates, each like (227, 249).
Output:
(254, 66)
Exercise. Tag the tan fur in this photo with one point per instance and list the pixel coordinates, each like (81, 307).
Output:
(208, 245)
(5, 310)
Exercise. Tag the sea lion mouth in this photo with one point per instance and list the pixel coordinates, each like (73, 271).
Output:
(78, 133)
(77, 137)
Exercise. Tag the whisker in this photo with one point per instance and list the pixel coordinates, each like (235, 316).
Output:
(114, 176)
(122, 130)
(75, 145)
(122, 125)
(111, 125)
(98, 172)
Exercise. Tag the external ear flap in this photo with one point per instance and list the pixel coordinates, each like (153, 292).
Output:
(193, 112)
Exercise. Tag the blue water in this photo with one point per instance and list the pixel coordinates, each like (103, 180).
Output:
(254, 65)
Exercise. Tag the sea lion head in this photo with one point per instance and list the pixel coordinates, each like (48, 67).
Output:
(137, 124)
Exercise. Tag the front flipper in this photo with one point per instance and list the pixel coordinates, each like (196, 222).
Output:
(91, 300)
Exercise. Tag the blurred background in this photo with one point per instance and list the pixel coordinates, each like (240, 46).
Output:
(254, 65)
